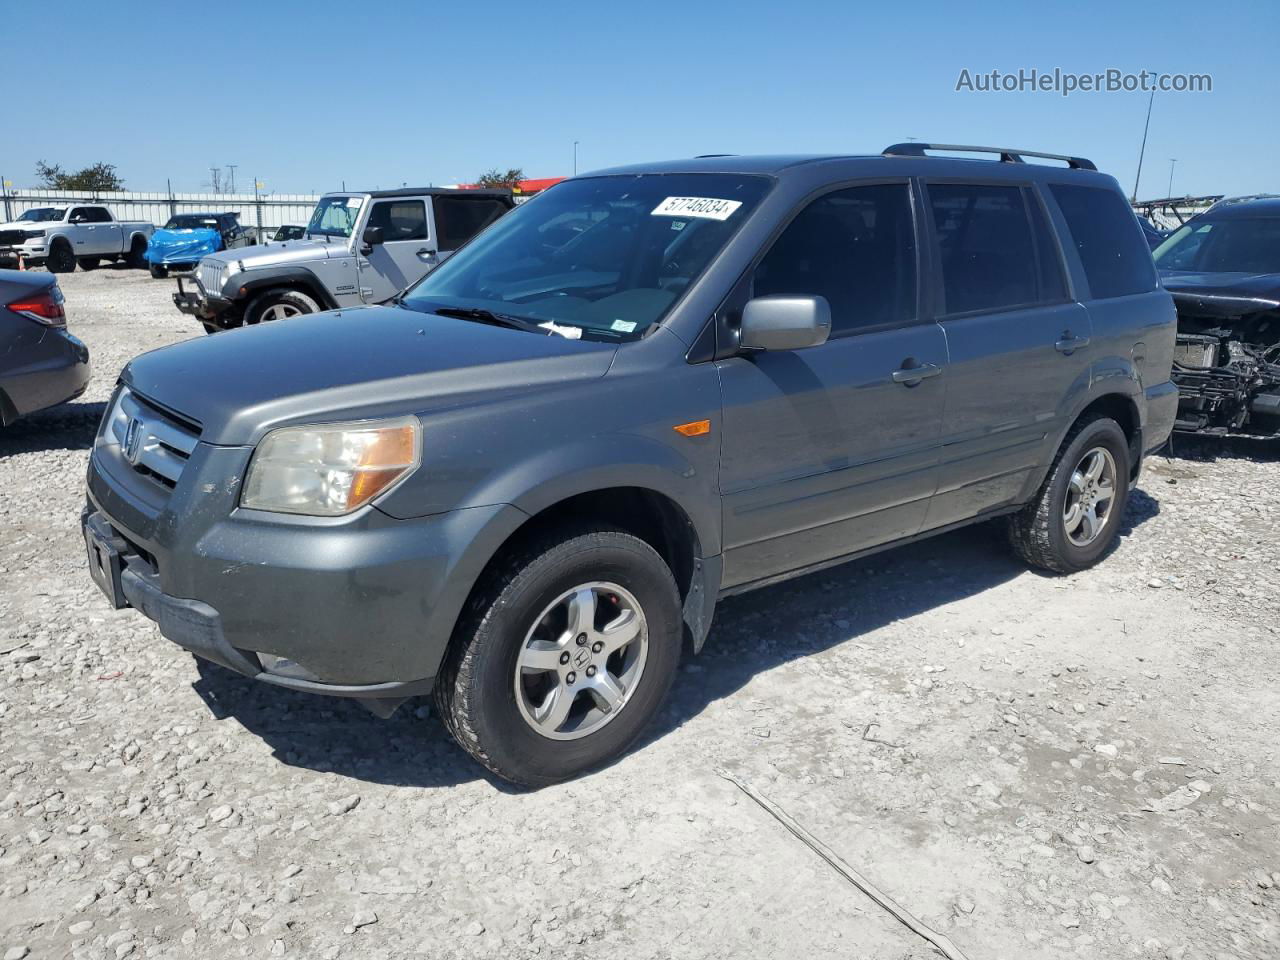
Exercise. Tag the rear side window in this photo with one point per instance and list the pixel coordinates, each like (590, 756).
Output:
(400, 219)
(987, 251)
(855, 247)
(458, 219)
(1113, 252)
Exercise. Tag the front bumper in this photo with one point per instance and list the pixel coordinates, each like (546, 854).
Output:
(198, 303)
(363, 606)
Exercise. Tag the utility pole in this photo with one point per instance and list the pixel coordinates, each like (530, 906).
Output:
(232, 186)
(1142, 152)
(575, 158)
(1172, 162)
(4, 191)
(215, 179)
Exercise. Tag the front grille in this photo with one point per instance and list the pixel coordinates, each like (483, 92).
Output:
(211, 275)
(155, 443)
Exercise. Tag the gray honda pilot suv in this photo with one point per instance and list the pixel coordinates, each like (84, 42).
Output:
(524, 484)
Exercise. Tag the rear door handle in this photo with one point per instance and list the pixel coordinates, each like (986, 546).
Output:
(913, 375)
(1070, 344)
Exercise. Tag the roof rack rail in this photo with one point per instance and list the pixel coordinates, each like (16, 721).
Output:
(1007, 155)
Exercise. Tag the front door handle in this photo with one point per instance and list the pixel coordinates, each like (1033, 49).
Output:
(425, 254)
(913, 375)
(1069, 343)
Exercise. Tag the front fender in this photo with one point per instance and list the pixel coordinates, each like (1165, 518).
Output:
(265, 278)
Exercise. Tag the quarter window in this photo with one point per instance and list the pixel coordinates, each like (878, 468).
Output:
(1113, 252)
(854, 247)
(400, 219)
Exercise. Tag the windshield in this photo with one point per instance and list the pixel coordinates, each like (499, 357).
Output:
(607, 255)
(335, 216)
(191, 222)
(1242, 245)
(43, 214)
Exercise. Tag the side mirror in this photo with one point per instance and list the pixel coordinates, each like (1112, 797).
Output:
(375, 235)
(785, 323)
(76, 219)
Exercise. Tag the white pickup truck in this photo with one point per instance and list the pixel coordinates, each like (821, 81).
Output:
(61, 237)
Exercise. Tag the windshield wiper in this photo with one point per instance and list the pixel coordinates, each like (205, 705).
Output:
(480, 315)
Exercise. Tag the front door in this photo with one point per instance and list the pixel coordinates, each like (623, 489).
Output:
(407, 253)
(1018, 344)
(832, 450)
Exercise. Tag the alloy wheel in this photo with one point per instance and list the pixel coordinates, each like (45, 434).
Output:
(1090, 496)
(581, 661)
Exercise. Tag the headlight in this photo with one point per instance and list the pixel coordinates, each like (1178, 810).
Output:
(331, 469)
(32, 234)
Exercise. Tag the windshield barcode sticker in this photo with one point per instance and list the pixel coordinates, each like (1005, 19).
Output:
(708, 208)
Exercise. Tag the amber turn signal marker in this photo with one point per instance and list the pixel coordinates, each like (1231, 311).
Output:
(695, 428)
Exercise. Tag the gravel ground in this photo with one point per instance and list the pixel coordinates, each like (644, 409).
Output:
(1036, 766)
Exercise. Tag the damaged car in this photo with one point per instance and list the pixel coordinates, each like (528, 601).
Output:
(1223, 269)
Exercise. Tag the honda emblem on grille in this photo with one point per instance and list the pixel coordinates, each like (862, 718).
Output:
(132, 440)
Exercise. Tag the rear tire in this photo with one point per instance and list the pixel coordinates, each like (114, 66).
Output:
(1054, 531)
(90, 263)
(136, 257)
(279, 305)
(158, 271)
(502, 709)
(61, 259)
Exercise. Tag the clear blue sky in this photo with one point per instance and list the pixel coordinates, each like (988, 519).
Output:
(307, 94)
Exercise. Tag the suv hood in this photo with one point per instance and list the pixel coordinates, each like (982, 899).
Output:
(285, 252)
(1222, 294)
(350, 365)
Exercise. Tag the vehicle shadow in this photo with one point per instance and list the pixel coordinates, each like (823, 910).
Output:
(337, 736)
(1212, 449)
(68, 426)
(747, 638)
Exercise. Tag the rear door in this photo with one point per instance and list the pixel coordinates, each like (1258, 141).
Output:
(833, 449)
(459, 218)
(1019, 345)
(102, 234)
(407, 253)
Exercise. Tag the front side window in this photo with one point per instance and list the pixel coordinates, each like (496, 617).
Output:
(335, 216)
(607, 255)
(1235, 245)
(857, 249)
(1113, 252)
(458, 219)
(985, 247)
(399, 219)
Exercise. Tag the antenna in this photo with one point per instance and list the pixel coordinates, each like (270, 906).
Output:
(1142, 152)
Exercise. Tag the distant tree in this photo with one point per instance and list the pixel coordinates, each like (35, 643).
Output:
(497, 178)
(100, 176)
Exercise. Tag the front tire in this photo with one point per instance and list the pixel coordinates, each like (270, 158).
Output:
(61, 259)
(1077, 512)
(279, 305)
(158, 271)
(563, 656)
